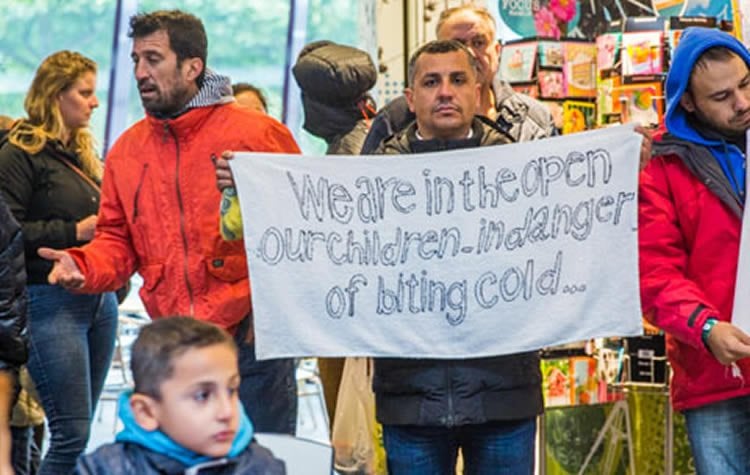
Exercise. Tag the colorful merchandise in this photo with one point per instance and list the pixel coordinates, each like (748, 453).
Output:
(517, 62)
(641, 103)
(578, 116)
(579, 69)
(642, 53)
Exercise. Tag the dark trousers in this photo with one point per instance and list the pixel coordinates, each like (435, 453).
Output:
(493, 448)
(268, 388)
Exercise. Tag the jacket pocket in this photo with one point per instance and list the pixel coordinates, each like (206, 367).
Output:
(152, 274)
(229, 268)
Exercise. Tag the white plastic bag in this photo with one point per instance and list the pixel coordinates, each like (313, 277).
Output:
(356, 435)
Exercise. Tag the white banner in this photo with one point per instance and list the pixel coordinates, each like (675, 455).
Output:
(465, 253)
(741, 308)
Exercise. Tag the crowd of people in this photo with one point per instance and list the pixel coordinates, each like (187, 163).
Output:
(73, 232)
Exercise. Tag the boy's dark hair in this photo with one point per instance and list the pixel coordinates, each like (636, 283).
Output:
(440, 47)
(160, 342)
(185, 31)
(241, 87)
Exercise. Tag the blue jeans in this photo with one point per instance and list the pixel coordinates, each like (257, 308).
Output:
(497, 448)
(719, 435)
(71, 340)
(268, 388)
(25, 454)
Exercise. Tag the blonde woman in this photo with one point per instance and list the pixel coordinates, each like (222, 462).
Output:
(50, 174)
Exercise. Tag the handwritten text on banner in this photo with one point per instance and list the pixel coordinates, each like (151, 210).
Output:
(465, 253)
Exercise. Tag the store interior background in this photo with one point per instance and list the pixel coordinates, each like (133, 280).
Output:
(257, 41)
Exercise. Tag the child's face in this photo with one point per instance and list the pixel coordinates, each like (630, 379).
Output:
(199, 406)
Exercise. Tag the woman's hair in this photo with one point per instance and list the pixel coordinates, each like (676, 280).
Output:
(56, 74)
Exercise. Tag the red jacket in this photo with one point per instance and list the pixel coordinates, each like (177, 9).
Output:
(689, 243)
(159, 214)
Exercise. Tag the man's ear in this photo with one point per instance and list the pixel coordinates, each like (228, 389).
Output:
(145, 410)
(478, 95)
(192, 68)
(686, 101)
(409, 94)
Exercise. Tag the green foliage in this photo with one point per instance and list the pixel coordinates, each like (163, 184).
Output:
(247, 41)
(32, 29)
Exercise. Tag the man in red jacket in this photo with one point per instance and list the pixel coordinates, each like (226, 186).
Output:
(692, 196)
(159, 205)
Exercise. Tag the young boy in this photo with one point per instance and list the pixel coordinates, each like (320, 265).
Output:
(184, 415)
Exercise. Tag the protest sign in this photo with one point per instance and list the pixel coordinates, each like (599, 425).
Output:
(463, 253)
(741, 308)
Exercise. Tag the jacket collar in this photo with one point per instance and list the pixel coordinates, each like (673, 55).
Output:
(485, 132)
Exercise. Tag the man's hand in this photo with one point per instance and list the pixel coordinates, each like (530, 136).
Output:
(224, 178)
(645, 145)
(64, 272)
(728, 343)
(85, 228)
(6, 397)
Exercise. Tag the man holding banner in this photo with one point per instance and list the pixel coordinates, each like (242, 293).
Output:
(430, 408)
(692, 196)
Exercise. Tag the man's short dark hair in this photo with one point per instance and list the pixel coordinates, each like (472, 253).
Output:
(161, 342)
(241, 87)
(441, 47)
(717, 53)
(187, 37)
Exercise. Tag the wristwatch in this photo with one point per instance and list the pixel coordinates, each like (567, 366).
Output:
(707, 327)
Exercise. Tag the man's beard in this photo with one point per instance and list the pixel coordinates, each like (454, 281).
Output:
(169, 104)
(711, 124)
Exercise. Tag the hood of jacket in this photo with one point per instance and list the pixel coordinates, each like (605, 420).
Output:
(331, 121)
(159, 442)
(693, 43)
(679, 122)
(216, 89)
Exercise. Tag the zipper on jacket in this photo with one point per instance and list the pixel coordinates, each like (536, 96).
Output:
(181, 207)
(138, 191)
(450, 419)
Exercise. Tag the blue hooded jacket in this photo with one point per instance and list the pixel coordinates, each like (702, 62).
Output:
(153, 452)
(693, 43)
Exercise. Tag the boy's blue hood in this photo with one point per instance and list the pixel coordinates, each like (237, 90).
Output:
(693, 43)
(159, 442)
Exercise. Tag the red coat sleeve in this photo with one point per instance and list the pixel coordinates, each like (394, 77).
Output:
(670, 299)
(108, 261)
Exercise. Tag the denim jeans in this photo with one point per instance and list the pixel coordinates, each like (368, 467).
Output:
(25, 454)
(496, 448)
(268, 388)
(71, 340)
(719, 435)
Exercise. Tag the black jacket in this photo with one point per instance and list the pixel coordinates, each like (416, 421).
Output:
(13, 351)
(451, 393)
(127, 458)
(47, 198)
